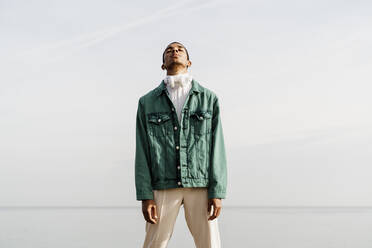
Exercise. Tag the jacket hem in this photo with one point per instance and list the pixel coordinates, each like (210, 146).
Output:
(188, 183)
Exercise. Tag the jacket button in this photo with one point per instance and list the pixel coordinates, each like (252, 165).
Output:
(201, 117)
(179, 183)
(177, 147)
(178, 167)
(172, 109)
(175, 128)
(159, 120)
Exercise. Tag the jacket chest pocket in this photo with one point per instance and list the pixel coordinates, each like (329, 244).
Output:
(200, 122)
(159, 124)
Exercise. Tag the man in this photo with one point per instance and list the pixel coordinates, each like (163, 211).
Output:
(180, 155)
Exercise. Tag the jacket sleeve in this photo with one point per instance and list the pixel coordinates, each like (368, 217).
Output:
(142, 158)
(218, 169)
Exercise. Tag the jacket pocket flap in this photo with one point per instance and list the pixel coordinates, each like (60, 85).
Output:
(158, 118)
(201, 115)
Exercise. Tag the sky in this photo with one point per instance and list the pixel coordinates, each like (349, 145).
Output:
(293, 79)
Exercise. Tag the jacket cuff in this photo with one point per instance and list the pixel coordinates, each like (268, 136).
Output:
(145, 196)
(220, 194)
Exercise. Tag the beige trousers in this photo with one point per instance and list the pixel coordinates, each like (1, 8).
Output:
(195, 202)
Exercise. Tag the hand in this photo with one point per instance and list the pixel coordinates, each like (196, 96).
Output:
(149, 211)
(217, 205)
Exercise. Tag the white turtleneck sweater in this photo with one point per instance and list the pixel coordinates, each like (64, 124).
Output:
(178, 87)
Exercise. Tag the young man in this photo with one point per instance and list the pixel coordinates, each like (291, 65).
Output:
(180, 155)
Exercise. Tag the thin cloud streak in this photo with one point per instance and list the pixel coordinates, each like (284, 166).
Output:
(70, 46)
(92, 35)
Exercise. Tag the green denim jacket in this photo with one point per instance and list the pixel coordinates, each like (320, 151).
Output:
(170, 154)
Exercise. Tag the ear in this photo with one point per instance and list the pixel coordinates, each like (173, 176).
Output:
(189, 63)
(163, 67)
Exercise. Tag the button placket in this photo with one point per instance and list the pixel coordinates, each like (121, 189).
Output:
(178, 138)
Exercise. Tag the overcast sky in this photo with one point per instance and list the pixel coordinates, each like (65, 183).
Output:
(293, 78)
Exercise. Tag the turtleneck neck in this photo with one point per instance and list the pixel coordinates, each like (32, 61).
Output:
(178, 80)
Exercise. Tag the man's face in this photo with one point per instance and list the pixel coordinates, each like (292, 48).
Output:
(175, 53)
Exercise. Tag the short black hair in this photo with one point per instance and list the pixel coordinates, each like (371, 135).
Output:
(187, 53)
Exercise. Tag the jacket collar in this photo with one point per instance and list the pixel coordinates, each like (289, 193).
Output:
(195, 87)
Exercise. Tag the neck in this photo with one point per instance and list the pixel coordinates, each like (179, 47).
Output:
(176, 70)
